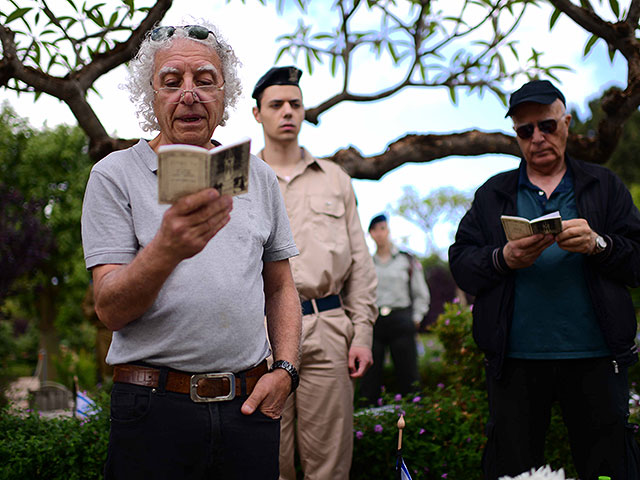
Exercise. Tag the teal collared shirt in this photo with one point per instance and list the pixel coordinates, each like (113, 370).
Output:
(553, 314)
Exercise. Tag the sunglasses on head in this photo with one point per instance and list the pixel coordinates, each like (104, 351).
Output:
(194, 31)
(545, 126)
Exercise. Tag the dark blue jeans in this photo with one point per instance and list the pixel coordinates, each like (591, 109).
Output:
(594, 400)
(165, 435)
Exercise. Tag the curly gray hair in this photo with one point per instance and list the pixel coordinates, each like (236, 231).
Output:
(141, 73)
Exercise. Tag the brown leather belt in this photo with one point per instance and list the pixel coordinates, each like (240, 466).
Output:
(202, 387)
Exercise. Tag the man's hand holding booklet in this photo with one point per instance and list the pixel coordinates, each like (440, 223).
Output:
(518, 227)
(185, 169)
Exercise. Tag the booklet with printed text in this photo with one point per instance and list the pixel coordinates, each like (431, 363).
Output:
(185, 169)
(518, 227)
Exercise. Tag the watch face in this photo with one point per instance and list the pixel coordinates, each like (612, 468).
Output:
(600, 243)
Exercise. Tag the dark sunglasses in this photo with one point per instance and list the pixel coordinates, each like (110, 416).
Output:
(545, 126)
(194, 31)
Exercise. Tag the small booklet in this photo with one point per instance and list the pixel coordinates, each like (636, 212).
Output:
(184, 169)
(518, 227)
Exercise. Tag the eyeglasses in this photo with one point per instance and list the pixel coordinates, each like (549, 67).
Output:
(201, 94)
(545, 126)
(194, 31)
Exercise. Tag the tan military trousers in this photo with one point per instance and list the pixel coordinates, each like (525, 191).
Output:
(318, 417)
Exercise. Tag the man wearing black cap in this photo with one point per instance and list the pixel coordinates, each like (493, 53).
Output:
(335, 279)
(552, 313)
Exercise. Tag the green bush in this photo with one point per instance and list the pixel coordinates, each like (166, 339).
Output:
(33, 447)
(442, 437)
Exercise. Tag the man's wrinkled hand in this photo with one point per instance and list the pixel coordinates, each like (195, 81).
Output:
(524, 252)
(269, 394)
(577, 236)
(192, 221)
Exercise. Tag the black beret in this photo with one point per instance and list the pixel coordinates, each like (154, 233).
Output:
(377, 219)
(277, 76)
(537, 91)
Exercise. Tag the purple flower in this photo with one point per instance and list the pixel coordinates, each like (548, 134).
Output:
(468, 439)
(455, 300)
(471, 307)
(380, 402)
(416, 399)
(398, 397)
(440, 385)
(444, 475)
(422, 430)
(447, 322)
(458, 312)
(359, 434)
(377, 428)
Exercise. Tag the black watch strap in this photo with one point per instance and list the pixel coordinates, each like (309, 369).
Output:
(290, 369)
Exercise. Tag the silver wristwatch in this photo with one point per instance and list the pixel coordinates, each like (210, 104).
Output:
(600, 246)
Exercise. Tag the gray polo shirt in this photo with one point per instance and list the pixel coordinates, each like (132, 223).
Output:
(209, 314)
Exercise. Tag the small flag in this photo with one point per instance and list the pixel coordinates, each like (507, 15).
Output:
(402, 472)
(84, 405)
(401, 469)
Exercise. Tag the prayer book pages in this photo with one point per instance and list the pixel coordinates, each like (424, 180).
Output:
(185, 169)
(518, 227)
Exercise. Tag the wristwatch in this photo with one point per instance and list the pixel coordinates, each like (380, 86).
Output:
(600, 246)
(290, 369)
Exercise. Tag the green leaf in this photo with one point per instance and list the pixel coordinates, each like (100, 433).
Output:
(392, 52)
(554, 18)
(514, 51)
(52, 61)
(589, 45)
(615, 7)
(73, 4)
(334, 65)
(36, 51)
(452, 94)
(309, 63)
(18, 13)
(112, 20)
(280, 53)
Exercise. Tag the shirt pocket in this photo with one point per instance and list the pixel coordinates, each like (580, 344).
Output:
(328, 219)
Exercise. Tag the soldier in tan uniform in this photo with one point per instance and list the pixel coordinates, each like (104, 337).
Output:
(336, 281)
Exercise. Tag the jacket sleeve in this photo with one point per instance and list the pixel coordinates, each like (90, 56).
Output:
(476, 259)
(620, 261)
(359, 290)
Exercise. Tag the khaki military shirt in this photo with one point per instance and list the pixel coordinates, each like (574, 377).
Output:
(401, 284)
(334, 258)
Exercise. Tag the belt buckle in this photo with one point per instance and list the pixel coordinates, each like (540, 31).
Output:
(384, 311)
(193, 387)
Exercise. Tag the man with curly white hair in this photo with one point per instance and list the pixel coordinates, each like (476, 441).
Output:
(185, 287)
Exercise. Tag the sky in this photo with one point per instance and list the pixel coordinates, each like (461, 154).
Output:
(252, 30)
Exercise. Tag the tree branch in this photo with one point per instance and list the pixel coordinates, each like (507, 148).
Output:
(122, 52)
(618, 35)
(423, 149)
(633, 16)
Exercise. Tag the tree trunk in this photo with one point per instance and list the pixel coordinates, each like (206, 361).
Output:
(49, 342)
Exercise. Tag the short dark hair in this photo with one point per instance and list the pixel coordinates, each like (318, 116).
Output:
(377, 219)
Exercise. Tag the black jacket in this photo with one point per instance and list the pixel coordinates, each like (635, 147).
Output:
(479, 268)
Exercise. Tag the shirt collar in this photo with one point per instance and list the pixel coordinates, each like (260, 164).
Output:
(565, 185)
